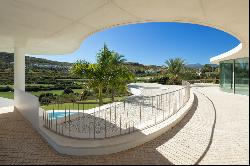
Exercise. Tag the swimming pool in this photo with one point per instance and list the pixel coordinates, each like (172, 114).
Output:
(59, 114)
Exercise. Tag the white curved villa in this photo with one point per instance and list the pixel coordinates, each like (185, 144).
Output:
(209, 126)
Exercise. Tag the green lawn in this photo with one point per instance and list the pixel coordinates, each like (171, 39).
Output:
(81, 107)
(69, 105)
(58, 92)
(10, 95)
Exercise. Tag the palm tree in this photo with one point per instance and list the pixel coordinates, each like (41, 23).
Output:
(119, 74)
(109, 72)
(94, 73)
(175, 70)
(117, 58)
(119, 78)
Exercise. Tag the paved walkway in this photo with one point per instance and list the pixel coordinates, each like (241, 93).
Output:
(204, 136)
(6, 102)
(230, 144)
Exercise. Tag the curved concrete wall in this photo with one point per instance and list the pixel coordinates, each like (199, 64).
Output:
(28, 106)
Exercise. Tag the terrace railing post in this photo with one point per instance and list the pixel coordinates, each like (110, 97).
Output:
(129, 127)
(78, 109)
(59, 131)
(152, 104)
(49, 121)
(78, 126)
(169, 105)
(62, 129)
(126, 127)
(162, 108)
(166, 104)
(155, 110)
(120, 125)
(176, 101)
(143, 102)
(157, 102)
(157, 106)
(65, 115)
(45, 120)
(179, 99)
(43, 116)
(115, 113)
(188, 91)
(69, 121)
(53, 111)
(140, 112)
(161, 103)
(89, 129)
(46, 117)
(83, 111)
(52, 118)
(94, 123)
(133, 126)
(110, 113)
(105, 127)
(162, 100)
(124, 107)
(99, 112)
(56, 123)
(186, 95)
(183, 96)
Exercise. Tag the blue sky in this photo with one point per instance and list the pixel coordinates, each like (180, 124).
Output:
(154, 43)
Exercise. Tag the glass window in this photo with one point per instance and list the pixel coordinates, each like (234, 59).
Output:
(226, 75)
(242, 76)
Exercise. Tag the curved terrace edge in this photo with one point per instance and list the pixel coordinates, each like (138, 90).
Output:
(71, 146)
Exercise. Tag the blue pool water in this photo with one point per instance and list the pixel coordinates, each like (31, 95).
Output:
(59, 114)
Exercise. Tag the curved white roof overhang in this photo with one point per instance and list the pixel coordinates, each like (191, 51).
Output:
(60, 26)
(231, 54)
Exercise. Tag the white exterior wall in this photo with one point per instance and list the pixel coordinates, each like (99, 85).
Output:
(28, 106)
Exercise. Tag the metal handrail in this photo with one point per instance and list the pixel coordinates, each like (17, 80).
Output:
(119, 118)
(203, 80)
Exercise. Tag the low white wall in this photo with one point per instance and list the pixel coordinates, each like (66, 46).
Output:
(71, 146)
(28, 106)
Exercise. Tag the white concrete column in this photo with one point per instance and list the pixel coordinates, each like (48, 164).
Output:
(19, 67)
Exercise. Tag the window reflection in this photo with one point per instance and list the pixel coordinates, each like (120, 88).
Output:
(239, 82)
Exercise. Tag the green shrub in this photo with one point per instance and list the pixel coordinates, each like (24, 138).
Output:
(46, 98)
(6, 89)
(68, 91)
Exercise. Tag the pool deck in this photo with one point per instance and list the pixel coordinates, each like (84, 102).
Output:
(215, 131)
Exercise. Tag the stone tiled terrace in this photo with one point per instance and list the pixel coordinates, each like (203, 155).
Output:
(214, 132)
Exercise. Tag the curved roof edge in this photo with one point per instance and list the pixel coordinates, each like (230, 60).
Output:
(234, 53)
